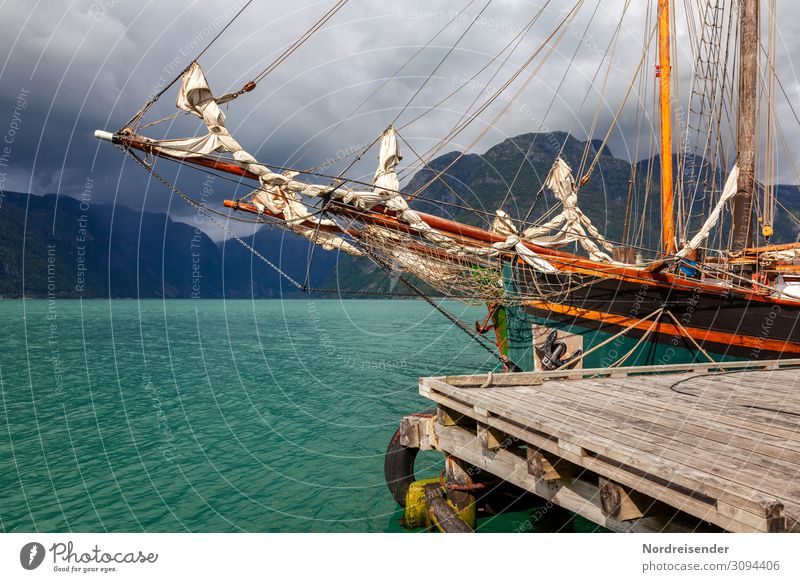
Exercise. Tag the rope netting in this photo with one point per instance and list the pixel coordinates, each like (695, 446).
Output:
(467, 272)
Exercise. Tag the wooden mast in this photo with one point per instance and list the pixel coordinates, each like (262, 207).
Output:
(664, 71)
(746, 132)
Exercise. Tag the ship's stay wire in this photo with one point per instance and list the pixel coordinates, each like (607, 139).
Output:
(135, 119)
(556, 93)
(385, 82)
(558, 34)
(132, 123)
(441, 62)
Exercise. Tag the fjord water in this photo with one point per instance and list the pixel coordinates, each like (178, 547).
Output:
(189, 415)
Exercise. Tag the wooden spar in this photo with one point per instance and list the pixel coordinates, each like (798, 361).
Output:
(746, 131)
(375, 217)
(369, 218)
(230, 168)
(667, 212)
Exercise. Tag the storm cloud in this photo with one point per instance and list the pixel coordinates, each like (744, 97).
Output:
(73, 67)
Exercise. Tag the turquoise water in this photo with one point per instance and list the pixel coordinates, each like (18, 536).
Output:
(214, 415)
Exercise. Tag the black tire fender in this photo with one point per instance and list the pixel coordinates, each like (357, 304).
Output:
(398, 465)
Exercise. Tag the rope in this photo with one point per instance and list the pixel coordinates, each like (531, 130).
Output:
(456, 130)
(516, 41)
(441, 62)
(203, 210)
(300, 41)
(135, 119)
(614, 121)
(625, 330)
(418, 292)
(556, 93)
(642, 339)
(689, 337)
(612, 47)
(450, 317)
(674, 388)
(328, 133)
(488, 215)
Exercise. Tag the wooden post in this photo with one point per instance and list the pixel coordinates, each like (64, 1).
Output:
(541, 465)
(458, 474)
(441, 515)
(409, 432)
(450, 417)
(551, 472)
(746, 132)
(490, 438)
(776, 520)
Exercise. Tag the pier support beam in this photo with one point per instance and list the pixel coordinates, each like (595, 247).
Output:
(459, 476)
(621, 503)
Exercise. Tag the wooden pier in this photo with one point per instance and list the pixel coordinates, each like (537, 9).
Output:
(670, 448)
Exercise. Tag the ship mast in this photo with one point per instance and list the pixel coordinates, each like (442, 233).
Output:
(745, 140)
(667, 213)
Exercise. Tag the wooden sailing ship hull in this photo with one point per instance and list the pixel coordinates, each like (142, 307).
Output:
(726, 324)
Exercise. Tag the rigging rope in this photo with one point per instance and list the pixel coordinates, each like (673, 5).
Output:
(299, 42)
(442, 61)
(250, 85)
(205, 211)
(135, 119)
(327, 134)
(614, 121)
(612, 47)
(546, 114)
(560, 31)
(516, 41)
(479, 339)
(466, 118)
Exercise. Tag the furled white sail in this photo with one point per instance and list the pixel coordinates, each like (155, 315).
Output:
(503, 225)
(571, 224)
(728, 192)
(279, 193)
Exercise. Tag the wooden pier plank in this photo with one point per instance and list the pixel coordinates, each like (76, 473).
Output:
(651, 372)
(774, 480)
(732, 519)
(729, 416)
(732, 420)
(677, 432)
(731, 455)
(771, 482)
(587, 432)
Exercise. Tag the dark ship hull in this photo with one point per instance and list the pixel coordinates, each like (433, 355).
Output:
(655, 322)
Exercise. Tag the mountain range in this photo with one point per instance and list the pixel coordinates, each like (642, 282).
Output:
(57, 246)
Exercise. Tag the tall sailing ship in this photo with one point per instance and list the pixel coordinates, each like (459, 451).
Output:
(558, 292)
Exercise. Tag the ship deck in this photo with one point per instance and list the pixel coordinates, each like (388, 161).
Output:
(670, 448)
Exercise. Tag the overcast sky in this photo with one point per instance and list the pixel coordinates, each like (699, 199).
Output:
(75, 66)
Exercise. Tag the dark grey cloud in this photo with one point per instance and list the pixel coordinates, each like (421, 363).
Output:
(87, 64)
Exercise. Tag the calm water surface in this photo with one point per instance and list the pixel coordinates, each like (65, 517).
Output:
(214, 415)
